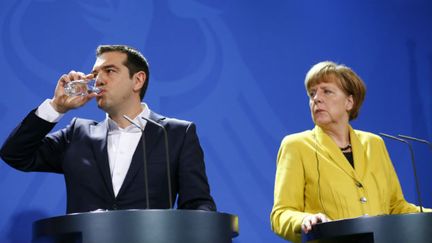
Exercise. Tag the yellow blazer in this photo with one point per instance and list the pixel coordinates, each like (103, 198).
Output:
(314, 176)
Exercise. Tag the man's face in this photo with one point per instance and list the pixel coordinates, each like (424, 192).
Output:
(112, 77)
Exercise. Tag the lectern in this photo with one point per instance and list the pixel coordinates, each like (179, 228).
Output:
(138, 226)
(416, 227)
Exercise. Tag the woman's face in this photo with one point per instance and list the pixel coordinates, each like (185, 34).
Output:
(328, 103)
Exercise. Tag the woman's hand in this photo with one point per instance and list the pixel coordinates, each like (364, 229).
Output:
(311, 220)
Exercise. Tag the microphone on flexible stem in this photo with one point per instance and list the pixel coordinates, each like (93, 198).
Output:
(417, 140)
(413, 165)
(145, 159)
(166, 157)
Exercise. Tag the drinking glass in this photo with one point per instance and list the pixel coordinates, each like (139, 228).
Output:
(81, 87)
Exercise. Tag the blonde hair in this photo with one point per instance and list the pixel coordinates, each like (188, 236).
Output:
(346, 79)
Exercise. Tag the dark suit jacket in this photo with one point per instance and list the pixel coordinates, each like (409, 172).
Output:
(79, 151)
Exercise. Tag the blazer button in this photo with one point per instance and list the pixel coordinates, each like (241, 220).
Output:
(363, 200)
(114, 206)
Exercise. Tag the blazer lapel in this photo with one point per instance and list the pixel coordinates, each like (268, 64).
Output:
(152, 135)
(360, 162)
(98, 134)
(332, 151)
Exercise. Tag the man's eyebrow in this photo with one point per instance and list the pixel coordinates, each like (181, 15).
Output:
(95, 71)
(109, 66)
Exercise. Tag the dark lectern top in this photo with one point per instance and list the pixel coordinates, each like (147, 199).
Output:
(416, 227)
(143, 226)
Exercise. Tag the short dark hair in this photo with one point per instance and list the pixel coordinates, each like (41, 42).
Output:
(135, 61)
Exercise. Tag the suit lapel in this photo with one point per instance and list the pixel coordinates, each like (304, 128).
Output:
(152, 135)
(99, 134)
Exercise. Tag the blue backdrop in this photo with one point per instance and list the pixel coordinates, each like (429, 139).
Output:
(235, 68)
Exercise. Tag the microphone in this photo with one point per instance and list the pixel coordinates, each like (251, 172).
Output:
(413, 165)
(417, 140)
(145, 159)
(166, 157)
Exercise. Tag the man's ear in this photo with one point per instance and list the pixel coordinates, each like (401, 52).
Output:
(139, 79)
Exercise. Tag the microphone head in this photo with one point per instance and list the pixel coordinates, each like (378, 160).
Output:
(414, 139)
(133, 122)
(392, 137)
(153, 122)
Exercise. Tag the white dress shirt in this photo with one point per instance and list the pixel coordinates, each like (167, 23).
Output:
(122, 142)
